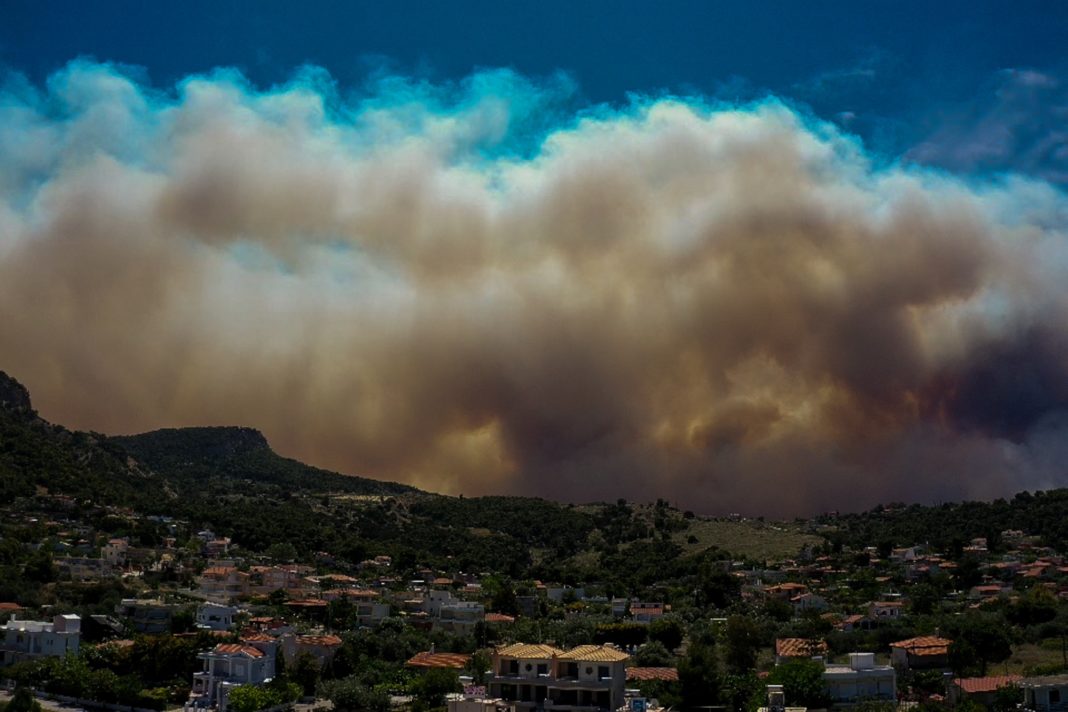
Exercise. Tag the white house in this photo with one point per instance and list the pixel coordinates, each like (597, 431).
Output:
(1045, 694)
(215, 616)
(115, 551)
(885, 610)
(460, 617)
(226, 666)
(860, 680)
(369, 614)
(25, 640)
(808, 602)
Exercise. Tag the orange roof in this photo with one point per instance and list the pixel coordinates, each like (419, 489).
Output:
(647, 610)
(529, 651)
(309, 603)
(321, 640)
(218, 570)
(594, 654)
(973, 685)
(799, 647)
(257, 638)
(6, 606)
(499, 618)
(642, 674)
(438, 660)
(238, 649)
(924, 645)
(788, 586)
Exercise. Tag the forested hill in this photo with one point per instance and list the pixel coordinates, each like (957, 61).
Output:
(229, 480)
(197, 455)
(37, 456)
(952, 525)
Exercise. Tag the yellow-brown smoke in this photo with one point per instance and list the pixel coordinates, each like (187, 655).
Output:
(731, 308)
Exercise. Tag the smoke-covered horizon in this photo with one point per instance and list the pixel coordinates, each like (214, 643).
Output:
(476, 288)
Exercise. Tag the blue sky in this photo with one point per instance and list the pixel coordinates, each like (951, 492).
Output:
(898, 74)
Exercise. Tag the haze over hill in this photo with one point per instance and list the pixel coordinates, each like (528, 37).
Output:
(229, 479)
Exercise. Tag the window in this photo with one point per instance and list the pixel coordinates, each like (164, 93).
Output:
(1054, 696)
(543, 669)
(602, 672)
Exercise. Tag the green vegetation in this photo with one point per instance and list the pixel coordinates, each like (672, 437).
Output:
(251, 698)
(749, 538)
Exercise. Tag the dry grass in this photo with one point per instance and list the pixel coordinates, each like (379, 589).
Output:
(1026, 657)
(749, 537)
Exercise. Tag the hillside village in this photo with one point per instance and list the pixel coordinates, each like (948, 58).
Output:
(487, 604)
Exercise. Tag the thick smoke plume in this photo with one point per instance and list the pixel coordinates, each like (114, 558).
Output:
(734, 308)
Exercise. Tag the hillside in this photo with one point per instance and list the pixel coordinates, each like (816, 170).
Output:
(37, 456)
(951, 525)
(229, 480)
(201, 455)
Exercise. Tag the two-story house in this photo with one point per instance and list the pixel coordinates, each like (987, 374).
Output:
(150, 616)
(215, 616)
(26, 640)
(460, 617)
(860, 680)
(226, 666)
(223, 583)
(542, 677)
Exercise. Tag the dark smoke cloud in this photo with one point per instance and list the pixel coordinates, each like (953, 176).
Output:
(730, 307)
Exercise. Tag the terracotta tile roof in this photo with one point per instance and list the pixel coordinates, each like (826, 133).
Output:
(319, 640)
(308, 603)
(499, 618)
(340, 578)
(438, 660)
(799, 647)
(218, 570)
(361, 593)
(924, 645)
(594, 654)
(238, 649)
(973, 685)
(668, 674)
(257, 638)
(529, 651)
(647, 611)
(7, 606)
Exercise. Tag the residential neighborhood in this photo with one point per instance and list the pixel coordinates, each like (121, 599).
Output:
(862, 624)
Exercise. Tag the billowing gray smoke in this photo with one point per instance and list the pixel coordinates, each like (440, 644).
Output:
(732, 308)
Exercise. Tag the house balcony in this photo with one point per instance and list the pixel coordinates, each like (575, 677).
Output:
(575, 683)
(529, 678)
